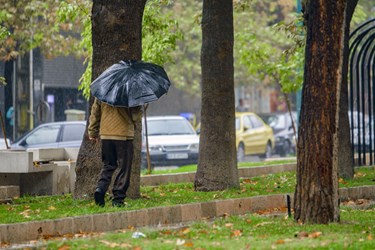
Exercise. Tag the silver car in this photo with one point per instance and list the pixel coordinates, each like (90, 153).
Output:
(172, 141)
(53, 135)
(2, 143)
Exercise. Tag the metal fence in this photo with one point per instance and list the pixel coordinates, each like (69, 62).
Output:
(362, 92)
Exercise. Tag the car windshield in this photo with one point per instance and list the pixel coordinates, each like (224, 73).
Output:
(277, 122)
(169, 127)
(47, 134)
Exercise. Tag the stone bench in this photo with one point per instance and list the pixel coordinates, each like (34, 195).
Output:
(39, 171)
(7, 193)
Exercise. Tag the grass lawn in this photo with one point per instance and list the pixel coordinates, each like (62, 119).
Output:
(355, 231)
(30, 208)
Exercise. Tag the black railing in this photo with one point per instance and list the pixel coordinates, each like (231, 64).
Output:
(362, 92)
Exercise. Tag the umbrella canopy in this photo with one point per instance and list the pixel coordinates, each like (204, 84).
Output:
(130, 84)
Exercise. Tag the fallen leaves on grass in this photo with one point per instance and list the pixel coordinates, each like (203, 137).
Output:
(249, 181)
(263, 223)
(236, 233)
(145, 196)
(64, 247)
(272, 210)
(230, 225)
(180, 242)
(312, 235)
(342, 181)
(359, 174)
(184, 230)
(115, 245)
(26, 213)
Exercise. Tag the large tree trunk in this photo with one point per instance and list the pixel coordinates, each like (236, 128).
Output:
(217, 168)
(116, 35)
(316, 195)
(345, 160)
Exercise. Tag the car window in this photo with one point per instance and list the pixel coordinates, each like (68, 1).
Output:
(73, 132)
(279, 122)
(169, 127)
(47, 134)
(255, 121)
(238, 125)
(247, 122)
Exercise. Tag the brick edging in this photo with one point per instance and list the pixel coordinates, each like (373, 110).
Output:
(27, 231)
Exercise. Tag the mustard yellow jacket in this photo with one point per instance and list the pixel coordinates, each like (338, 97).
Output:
(113, 123)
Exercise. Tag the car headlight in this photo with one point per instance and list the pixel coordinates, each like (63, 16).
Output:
(194, 147)
(278, 139)
(155, 148)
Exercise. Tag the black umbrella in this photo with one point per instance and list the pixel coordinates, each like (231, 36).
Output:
(129, 84)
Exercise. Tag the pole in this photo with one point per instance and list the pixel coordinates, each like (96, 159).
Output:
(299, 92)
(14, 82)
(31, 103)
(147, 149)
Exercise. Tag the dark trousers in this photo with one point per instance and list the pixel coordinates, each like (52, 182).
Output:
(116, 153)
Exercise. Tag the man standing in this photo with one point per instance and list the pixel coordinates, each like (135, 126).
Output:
(115, 126)
(241, 106)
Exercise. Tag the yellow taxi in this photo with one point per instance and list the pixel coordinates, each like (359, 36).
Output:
(253, 136)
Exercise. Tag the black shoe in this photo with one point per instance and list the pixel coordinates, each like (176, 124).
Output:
(116, 203)
(99, 198)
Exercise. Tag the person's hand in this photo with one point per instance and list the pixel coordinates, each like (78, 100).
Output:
(95, 139)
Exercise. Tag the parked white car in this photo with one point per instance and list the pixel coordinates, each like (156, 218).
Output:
(2, 143)
(172, 141)
(53, 135)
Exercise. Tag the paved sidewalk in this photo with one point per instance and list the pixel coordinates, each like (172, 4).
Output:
(28, 231)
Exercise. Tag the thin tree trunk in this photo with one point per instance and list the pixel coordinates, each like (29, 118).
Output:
(217, 168)
(346, 164)
(116, 35)
(316, 195)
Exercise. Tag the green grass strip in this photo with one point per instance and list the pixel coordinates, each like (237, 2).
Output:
(355, 231)
(34, 208)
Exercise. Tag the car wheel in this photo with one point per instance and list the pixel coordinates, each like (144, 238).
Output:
(286, 149)
(240, 153)
(268, 152)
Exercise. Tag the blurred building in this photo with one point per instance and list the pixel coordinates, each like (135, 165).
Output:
(40, 90)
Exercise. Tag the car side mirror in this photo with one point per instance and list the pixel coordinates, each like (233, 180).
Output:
(245, 128)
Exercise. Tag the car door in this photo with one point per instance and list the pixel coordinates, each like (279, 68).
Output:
(43, 137)
(248, 135)
(259, 135)
(72, 135)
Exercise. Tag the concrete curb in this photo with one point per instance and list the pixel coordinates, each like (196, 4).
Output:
(27, 231)
(154, 180)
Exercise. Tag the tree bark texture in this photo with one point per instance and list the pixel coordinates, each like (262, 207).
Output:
(217, 165)
(346, 164)
(316, 195)
(116, 35)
